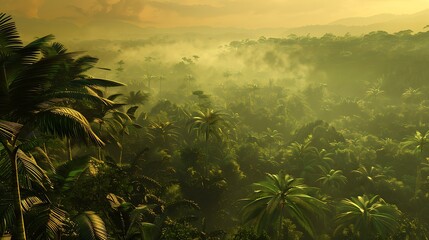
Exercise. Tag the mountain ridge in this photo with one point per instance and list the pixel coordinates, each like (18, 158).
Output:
(65, 29)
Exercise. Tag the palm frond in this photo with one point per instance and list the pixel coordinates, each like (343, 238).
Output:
(371, 216)
(69, 172)
(54, 49)
(8, 130)
(280, 195)
(91, 226)
(9, 37)
(81, 65)
(96, 82)
(132, 111)
(31, 83)
(30, 53)
(115, 200)
(66, 122)
(45, 161)
(28, 168)
(114, 96)
(47, 221)
(150, 181)
(29, 172)
(177, 205)
(7, 212)
(82, 94)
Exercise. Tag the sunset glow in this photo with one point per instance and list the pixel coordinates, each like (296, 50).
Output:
(214, 13)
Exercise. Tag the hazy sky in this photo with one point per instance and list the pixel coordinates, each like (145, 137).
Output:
(217, 13)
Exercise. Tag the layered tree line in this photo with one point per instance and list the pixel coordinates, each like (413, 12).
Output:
(335, 158)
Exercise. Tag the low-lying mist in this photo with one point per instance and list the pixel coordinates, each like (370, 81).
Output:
(344, 65)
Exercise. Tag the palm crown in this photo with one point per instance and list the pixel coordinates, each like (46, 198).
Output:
(370, 216)
(278, 196)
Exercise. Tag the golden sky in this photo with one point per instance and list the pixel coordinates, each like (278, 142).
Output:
(216, 13)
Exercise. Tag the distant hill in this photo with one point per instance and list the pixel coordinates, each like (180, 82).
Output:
(361, 25)
(32, 28)
(66, 30)
(363, 21)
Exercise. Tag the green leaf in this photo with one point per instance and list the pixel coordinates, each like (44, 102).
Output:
(91, 226)
(9, 130)
(97, 82)
(28, 168)
(9, 37)
(66, 122)
(47, 221)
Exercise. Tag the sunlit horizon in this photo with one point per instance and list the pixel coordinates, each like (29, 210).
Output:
(250, 14)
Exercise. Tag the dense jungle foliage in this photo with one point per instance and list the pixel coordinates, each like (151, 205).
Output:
(297, 138)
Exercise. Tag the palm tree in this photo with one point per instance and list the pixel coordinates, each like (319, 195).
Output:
(47, 220)
(369, 176)
(161, 79)
(418, 142)
(298, 151)
(136, 98)
(371, 217)
(37, 93)
(252, 89)
(272, 136)
(374, 92)
(209, 124)
(317, 162)
(119, 124)
(332, 180)
(163, 133)
(8, 132)
(412, 95)
(305, 157)
(134, 221)
(281, 196)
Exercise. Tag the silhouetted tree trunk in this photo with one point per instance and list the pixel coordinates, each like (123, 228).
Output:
(19, 231)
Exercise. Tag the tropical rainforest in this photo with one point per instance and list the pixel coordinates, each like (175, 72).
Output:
(297, 137)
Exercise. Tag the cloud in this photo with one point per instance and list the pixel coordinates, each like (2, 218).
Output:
(221, 13)
(194, 10)
(51, 9)
(122, 9)
(27, 8)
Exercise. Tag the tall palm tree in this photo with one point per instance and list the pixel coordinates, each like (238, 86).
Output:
(163, 133)
(418, 142)
(118, 125)
(209, 124)
(272, 136)
(305, 158)
(412, 95)
(281, 196)
(8, 132)
(39, 83)
(371, 217)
